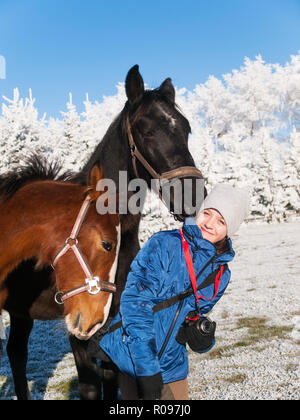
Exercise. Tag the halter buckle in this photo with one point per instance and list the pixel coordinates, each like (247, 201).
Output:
(59, 298)
(93, 284)
(71, 241)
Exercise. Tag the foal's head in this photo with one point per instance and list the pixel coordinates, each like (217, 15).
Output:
(98, 241)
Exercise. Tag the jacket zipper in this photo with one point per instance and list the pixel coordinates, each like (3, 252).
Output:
(170, 330)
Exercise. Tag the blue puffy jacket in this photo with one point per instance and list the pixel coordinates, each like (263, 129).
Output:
(159, 272)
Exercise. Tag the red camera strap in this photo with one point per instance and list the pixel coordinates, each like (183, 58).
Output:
(190, 266)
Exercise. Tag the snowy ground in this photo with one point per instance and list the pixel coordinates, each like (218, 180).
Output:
(258, 337)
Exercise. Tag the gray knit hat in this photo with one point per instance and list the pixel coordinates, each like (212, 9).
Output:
(233, 204)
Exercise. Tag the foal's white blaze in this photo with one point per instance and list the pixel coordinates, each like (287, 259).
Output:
(112, 277)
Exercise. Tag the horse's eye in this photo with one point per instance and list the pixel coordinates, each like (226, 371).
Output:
(149, 134)
(107, 245)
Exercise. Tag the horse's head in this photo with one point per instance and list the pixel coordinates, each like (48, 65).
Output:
(159, 132)
(98, 242)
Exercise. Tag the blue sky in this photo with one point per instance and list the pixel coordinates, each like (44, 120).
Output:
(61, 46)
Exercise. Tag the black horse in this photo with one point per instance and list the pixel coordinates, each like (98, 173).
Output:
(148, 139)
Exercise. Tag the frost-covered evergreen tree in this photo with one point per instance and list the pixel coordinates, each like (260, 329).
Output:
(20, 130)
(290, 182)
(245, 131)
(248, 116)
(99, 115)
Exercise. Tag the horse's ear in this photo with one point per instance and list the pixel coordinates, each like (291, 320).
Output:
(167, 89)
(95, 175)
(134, 85)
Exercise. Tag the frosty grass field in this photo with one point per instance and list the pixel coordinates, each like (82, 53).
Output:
(258, 335)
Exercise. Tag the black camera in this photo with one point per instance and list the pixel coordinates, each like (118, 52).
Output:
(198, 333)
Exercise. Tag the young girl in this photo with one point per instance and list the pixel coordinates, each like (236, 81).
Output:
(150, 366)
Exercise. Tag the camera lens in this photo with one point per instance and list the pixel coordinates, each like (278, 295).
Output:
(205, 325)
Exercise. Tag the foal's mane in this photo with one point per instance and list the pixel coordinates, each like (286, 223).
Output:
(36, 168)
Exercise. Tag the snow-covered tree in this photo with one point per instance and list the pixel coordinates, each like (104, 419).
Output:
(245, 131)
(20, 129)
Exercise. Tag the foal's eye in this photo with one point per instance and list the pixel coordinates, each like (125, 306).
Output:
(107, 245)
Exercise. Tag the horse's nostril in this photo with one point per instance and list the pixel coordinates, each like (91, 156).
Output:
(77, 322)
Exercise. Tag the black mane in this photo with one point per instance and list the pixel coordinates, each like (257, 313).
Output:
(36, 168)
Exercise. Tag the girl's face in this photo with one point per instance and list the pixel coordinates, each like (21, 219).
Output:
(212, 225)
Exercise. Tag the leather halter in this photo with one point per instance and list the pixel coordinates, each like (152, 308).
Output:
(93, 284)
(180, 172)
